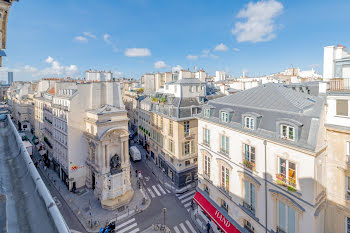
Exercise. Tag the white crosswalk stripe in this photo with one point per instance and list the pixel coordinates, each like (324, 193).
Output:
(183, 228)
(161, 189)
(177, 229)
(187, 194)
(187, 199)
(187, 204)
(156, 190)
(129, 226)
(190, 226)
(151, 193)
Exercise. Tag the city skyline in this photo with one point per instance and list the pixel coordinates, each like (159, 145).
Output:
(67, 38)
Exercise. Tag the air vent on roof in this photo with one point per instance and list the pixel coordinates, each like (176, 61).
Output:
(313, 101)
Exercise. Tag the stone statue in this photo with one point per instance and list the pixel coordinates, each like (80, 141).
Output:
(114, 164)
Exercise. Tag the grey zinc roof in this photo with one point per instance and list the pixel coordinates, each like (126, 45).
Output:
(271, 96)
(189, 81)
(274, 103)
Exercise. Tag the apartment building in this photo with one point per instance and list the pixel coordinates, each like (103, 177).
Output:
(336, 77)
(144, 121)
(173, 129)
(261, 158)
(21, 105)
(85, 128)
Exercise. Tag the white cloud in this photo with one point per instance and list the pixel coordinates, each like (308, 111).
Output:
(89, 34)
(49, 59)
(192, 57)
(221, 47)
(259, 25)
(137, 52)
(206, 53)
(106, 38)
(160, 65)
(81, 39)
(176, 68)
(236, 49)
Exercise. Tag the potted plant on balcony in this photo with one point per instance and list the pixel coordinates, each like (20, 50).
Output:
(281, 179)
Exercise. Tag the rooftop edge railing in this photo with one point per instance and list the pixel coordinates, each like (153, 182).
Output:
(51, 207)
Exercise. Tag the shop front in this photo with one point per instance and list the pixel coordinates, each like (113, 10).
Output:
(223, 222)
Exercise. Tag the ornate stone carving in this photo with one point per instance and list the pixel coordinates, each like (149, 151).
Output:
(115, 164)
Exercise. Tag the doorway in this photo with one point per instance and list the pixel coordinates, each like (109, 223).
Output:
(93, 181)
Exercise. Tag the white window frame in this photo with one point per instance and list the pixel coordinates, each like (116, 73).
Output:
(224, 144)
(249, 122)
(207, 112)
(251, 202)
(286, 134)
(224, 116)
(207, 164)
(287, 230)
(347, 186)
(206, 136)
(225, 177)
(186, 128)
(287, 169)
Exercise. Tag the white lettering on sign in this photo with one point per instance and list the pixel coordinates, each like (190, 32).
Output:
(222, 219)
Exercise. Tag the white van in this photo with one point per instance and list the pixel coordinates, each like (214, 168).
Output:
(135, 153)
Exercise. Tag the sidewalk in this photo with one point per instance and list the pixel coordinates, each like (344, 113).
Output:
(80, 203)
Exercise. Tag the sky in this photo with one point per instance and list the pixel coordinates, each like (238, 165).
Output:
(133, 37)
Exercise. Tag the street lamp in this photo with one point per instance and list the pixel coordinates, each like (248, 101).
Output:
(164, 210)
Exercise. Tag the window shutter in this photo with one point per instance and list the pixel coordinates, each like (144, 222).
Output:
(246, 192)
(253, 196)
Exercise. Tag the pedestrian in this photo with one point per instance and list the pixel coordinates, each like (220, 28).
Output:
(208, 227)
(136, 172)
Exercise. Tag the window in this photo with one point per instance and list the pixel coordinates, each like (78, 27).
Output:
(286, 219)
(161, 122)
(187, 163)
(206, 137)
(224, 116)
(224, 144)
(248, 226)
(188, 178)
(191, 88)
(224, 205)
(206, 112)
(347, 178)
(287, 173)
(225, 180)
(249, 122)
(207, 165)
(170, 127)
(249, 156)
(187, 128)
(287, 132)
(347, 225)
(171, 146)
(249, 196)
(186, 148)
(342, 107)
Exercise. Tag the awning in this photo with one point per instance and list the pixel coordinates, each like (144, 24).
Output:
(214, 214)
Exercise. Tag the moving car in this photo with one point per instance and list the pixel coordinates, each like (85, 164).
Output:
(135, 153)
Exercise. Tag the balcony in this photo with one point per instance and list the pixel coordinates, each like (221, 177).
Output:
(249, 164)
(290, 183)
(339, 84)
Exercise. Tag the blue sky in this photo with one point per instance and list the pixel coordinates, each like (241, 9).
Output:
(132, 37)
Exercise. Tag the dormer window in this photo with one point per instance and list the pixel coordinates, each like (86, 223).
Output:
(249, 122)
(207, 112)
(224, 116)
(287, 132)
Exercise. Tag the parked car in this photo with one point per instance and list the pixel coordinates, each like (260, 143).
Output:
(135, 153)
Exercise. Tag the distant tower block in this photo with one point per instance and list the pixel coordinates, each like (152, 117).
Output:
(10, 78)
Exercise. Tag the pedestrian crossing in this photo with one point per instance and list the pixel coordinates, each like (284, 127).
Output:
(129, 226)
(185, 227)
(157, 191)
(186, 199)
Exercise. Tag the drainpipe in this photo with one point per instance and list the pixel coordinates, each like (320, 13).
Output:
(265, 178)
